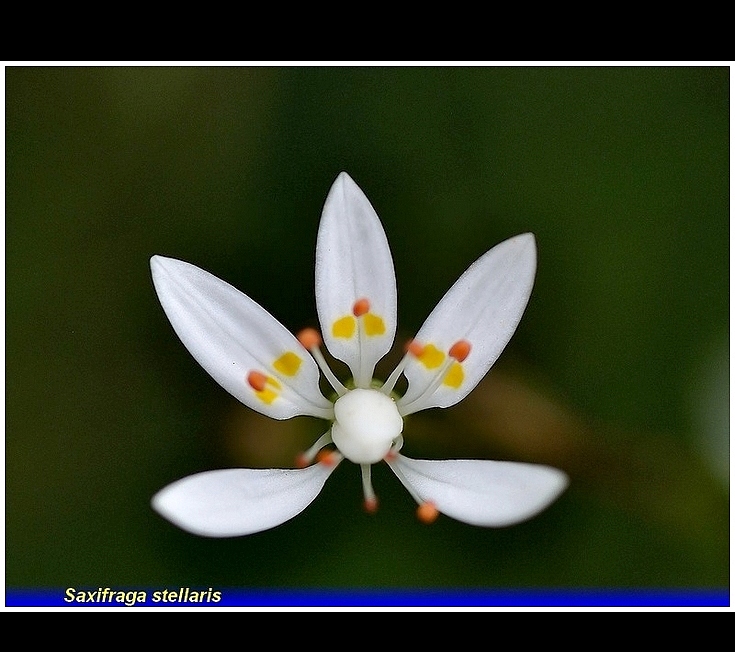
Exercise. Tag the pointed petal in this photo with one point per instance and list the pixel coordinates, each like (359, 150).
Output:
(483, 309)
(354, 263)
(481, 492)
(231, 336)
(235, 502)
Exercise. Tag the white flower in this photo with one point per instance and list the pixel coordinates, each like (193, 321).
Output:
(264, 366)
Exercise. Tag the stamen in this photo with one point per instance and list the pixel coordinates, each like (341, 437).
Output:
(427, 512)
(311, 340)
(257, 380)
(371, 501)
(368, 325)
(363, 377)
(413, 348)
(361, 307)
(268, 388)
(458, 352)
(307, 457)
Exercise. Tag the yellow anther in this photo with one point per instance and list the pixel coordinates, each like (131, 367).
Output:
(430, 356)
(374, 325)
(344, 327)
(288, 364)
(267, 396)
(455, 376)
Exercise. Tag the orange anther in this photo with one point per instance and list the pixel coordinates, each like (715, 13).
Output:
(371, 505)
(415, 348)
(427, 513)
(460, 350)
(326, 457)
(361, 307)
(309, 338)
(257, 380)
(302, 461)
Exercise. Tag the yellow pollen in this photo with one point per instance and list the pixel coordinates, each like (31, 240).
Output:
(267, 396)
(430, 356)
(344, 327)
(454, 376)
(288, 364)
(374, 325)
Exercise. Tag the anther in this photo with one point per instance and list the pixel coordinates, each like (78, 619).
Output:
(327, 457)
(309, 338)
(302, 461)
(415, 348)
(427, 513)
(371, 505)
(460, 350)
(361, 307)
(257, 380)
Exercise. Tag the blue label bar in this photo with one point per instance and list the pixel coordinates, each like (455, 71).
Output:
(230, 597)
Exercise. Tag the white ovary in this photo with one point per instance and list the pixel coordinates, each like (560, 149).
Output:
(366, 423)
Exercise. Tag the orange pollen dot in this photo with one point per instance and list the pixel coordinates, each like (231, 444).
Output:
(361, 307)
(427, 513)
(302, 461)
(257, 380)
(371, 505)
(460, 350)
(326, 457)
(415, 348)
(309, 338)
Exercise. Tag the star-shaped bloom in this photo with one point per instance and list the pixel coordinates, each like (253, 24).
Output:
(257, 360)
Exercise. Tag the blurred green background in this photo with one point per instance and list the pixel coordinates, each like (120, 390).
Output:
(619, 372)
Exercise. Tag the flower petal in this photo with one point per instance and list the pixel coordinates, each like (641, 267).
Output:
(481, 492)
(243, 347)
(355, 281)
(235, 502)
(480, 313)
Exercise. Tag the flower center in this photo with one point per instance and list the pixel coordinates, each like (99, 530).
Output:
(366, 422)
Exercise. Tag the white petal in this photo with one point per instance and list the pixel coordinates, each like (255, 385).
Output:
(483, 308)
(482, 492)
(235, 502)
(231, 336)
(353, 262)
